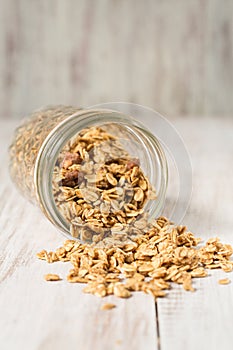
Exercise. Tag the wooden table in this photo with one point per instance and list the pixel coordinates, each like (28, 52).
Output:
(36, 315)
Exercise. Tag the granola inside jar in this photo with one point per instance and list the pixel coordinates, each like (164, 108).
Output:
(96, 174)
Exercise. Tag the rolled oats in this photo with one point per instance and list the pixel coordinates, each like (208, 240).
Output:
(52, 277)
(164, 253)
(107, 306)
(98, 185)
(224, 281)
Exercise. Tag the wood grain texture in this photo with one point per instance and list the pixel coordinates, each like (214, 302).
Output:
(174, 56)
(202, 320)
(38, 315)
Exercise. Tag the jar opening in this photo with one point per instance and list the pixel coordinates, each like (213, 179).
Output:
(94, 158)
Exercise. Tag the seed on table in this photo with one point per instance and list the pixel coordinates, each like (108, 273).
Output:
(107, 306)
(52, 277)
(224, 281)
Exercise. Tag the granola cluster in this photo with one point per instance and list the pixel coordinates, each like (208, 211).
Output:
(99, 188)
(165, 253)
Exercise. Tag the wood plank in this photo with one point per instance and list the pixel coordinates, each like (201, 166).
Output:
(39, 315)
(202, 320)
(198, 320)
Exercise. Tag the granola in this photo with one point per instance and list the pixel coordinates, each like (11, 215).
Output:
(99, 188)
(164, 254)
(52, 277)
(224, 281)
(107, 306)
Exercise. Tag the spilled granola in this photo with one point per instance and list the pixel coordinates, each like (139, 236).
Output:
(107, 306)
(224, 281)
(165, 253)
(52, 277)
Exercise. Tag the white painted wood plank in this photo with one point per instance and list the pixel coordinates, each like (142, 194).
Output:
(200, 320)
(36, 315)
(203, 320)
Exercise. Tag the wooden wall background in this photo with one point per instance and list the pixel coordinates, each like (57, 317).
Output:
(174, 55)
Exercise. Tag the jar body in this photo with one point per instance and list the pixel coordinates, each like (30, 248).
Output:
(38, 142)
(28, 139)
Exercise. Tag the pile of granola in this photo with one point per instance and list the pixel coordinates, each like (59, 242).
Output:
(165, 253)
(99, 188)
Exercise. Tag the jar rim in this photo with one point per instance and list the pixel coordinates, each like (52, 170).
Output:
(52, 145)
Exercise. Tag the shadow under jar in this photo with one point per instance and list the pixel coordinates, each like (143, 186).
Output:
(97, 175)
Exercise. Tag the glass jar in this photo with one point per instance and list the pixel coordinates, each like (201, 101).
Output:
(42, 137)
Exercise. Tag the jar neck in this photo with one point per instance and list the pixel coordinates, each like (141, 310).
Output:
(153, 157)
